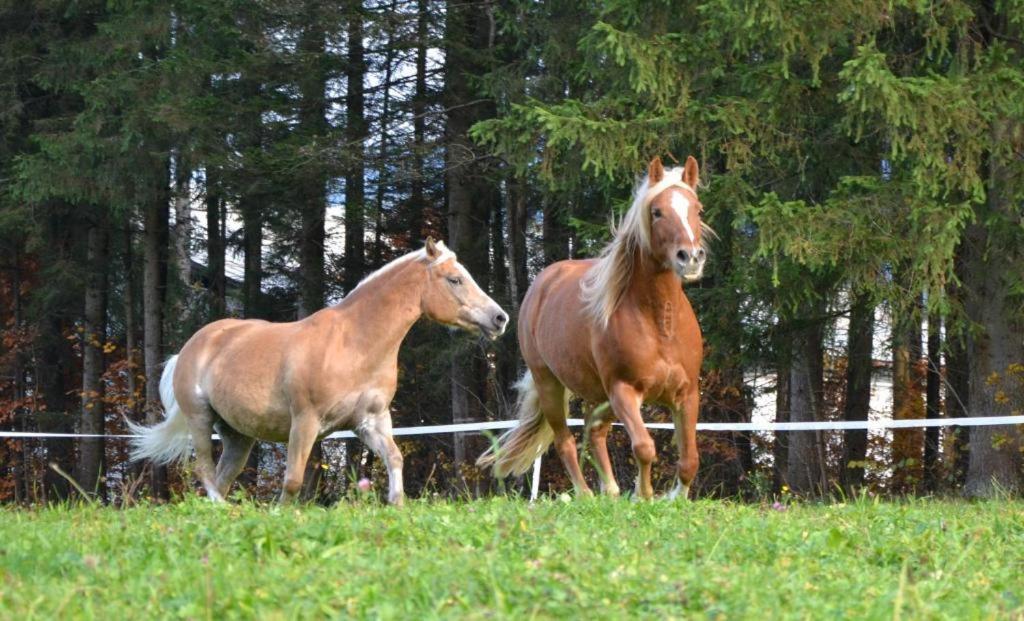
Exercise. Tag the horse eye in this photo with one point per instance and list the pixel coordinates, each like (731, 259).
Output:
(657, 212)
(455, 280)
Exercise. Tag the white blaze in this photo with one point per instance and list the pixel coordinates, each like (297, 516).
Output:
(681, 205)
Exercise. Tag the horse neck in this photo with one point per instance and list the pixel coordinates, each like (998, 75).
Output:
(651, 286)
(383, 310)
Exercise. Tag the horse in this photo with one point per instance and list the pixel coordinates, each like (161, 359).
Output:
(616, 329)
(250, 379)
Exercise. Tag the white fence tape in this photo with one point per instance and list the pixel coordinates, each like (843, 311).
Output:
(834, 425)
(838, 425)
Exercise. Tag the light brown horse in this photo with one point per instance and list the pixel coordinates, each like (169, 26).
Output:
(619, 329)
(299, 381)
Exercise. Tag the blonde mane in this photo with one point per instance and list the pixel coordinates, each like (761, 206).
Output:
(416, 255)
(604, 284)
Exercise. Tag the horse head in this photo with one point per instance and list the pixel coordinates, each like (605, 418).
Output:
(453, 298)
(675, 224)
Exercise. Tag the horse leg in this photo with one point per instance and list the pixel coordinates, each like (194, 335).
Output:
(375, 432)
(552, 403)
(686, 439)
(200, 425)
(233, 457)
(599, 429)
(626, 402)
(301, 437)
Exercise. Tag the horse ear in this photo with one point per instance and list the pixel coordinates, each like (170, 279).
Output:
(655, 171)
(691, 173)
(432, 250)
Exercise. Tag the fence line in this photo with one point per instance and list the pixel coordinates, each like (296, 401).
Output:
(835, 425)
(422, 430)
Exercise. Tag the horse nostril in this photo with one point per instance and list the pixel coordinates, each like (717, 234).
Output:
(683, 256)
(701, 253)
(500, 319)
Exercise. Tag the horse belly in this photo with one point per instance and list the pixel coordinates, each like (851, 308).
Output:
(250, 402)
(271, 424)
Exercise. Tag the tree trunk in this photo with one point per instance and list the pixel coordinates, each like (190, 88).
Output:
(54, 357)
(907, 403)
(556, 233)
(383, 172)
(130, 335)
(19, 448)
(805, 473)
(355, 138)
(780, 447)
(252, 244)
(957, 398)
(90, 466)
(996, 348)
(215, 245)
(858, 391)
(313, 127)
(417, 200)
(470, 192)
(154, 281)
(518, 220)
(183, 225)
(933, 405)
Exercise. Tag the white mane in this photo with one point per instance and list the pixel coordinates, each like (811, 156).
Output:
(602, 287)
(416, 255)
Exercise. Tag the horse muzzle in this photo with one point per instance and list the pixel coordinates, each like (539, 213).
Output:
(490, 322)
(689, 266)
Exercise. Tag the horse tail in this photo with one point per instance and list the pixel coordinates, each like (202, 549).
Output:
(169, 440)
(520, 446)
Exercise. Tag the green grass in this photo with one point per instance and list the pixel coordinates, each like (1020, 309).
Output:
(504, 558)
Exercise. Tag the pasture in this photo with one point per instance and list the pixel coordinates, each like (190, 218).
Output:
(510, 559)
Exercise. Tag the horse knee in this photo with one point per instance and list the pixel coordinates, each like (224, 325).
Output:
(688, 468)
(644, 450)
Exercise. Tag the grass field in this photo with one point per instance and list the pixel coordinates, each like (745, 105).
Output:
(505, 558)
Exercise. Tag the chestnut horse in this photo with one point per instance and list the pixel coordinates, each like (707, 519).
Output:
(619, 329)
(299, 381)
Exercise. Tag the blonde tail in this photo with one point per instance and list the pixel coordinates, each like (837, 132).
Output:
(520, 446)
(169, 440)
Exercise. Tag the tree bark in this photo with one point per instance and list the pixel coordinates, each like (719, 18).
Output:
(355, 138)
(933, 404)
(556, 233)
(383, 173)
(417, 200)
(215, 245)
(153, 289)
(314, 129)
(91, 463)
(956, 400)
(858, 391)
(470, 191)
(518, 220)
(805, 473)
(183, 225)
(907, 402)
(54, 358)
(19, 449)
(252, 244)
(130, 334)
(996, 347)
(780, 447)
